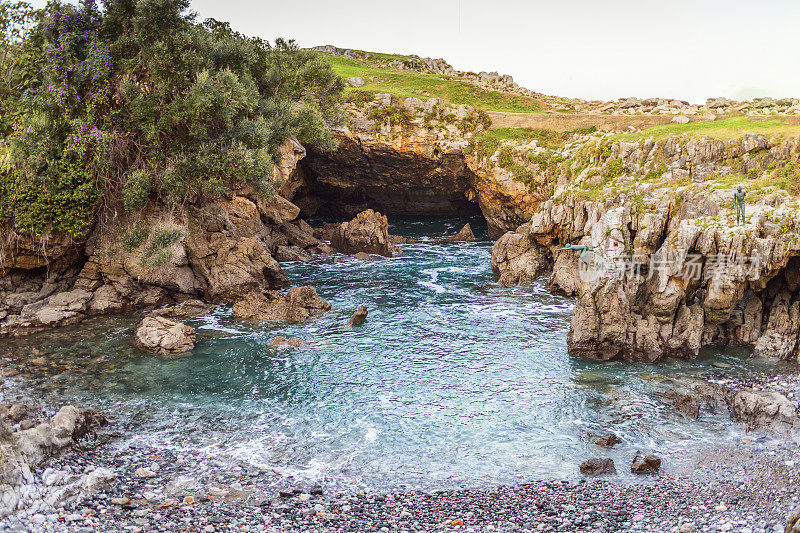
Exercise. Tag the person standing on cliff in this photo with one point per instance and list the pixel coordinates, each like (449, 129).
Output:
(738, 203)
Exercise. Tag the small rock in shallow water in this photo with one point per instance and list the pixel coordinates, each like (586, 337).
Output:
(645, 464)
(359, 316)
(121, 501)
(608, 440)
(598, 466)
(279, 341)
(145, 472)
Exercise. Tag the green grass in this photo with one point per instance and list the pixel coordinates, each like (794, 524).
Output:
(545, 138)
(407, 83)
(719, 129)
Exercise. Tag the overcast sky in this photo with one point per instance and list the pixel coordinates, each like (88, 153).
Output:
(592, 49)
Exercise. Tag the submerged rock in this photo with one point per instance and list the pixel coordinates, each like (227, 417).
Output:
(685, 403)
(645, 464)
(598, 466)
(359, 316)
(162, 335)
(367, 232)
(297, 305)
(186, 309)
(292, 342)
(608, 440)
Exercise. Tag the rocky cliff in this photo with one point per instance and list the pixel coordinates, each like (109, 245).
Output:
(669, 271)
(217, 250)
(414, 158)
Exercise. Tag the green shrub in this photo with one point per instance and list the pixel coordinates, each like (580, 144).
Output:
(133, 237)
(505, 159)
(136, 190)
(159, 249)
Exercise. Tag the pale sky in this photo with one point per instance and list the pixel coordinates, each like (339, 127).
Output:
(592, 49)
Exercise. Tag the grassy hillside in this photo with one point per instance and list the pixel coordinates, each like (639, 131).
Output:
(719, 129)
(404, 84)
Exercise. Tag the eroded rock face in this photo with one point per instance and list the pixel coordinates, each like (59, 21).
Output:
(297, 305)
(518, 258)
(23, 451)
(367, 233)
(678, 299)
(164, 336)
(219, 251)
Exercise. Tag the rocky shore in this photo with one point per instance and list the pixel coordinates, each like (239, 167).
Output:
(747, 488)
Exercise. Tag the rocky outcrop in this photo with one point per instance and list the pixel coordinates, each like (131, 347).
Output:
(519, 258)
(421, 165)
(217, 250)
(367, 233)
(762, 410)
(164, 336)
(297, 305)
(24, 450)
(669, 272)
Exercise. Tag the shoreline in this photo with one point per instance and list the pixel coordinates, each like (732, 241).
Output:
(753, 490)
(749, 487)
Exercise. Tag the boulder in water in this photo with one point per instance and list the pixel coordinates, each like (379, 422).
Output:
(359, 316)
(367, 233)
(162, 335)
(465, 235)
(608, 440)
(645, 464)
(297, 305)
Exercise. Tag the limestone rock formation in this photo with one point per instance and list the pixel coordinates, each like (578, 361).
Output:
(297, 305)
(217, 250)
(367, 233)
(24, 450)
(518, 258)
(673, 273)
(164, 336)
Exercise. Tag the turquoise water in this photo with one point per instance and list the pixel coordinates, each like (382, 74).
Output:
(452, 380)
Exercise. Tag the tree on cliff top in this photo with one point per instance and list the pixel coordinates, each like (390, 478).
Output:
(138, 102)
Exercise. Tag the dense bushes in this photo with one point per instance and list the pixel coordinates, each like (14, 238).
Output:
(136, 101)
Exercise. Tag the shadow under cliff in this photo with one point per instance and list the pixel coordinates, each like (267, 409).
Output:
(346, 181)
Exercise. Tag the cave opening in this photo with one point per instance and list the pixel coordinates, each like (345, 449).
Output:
(767, 320)
(343, 183)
